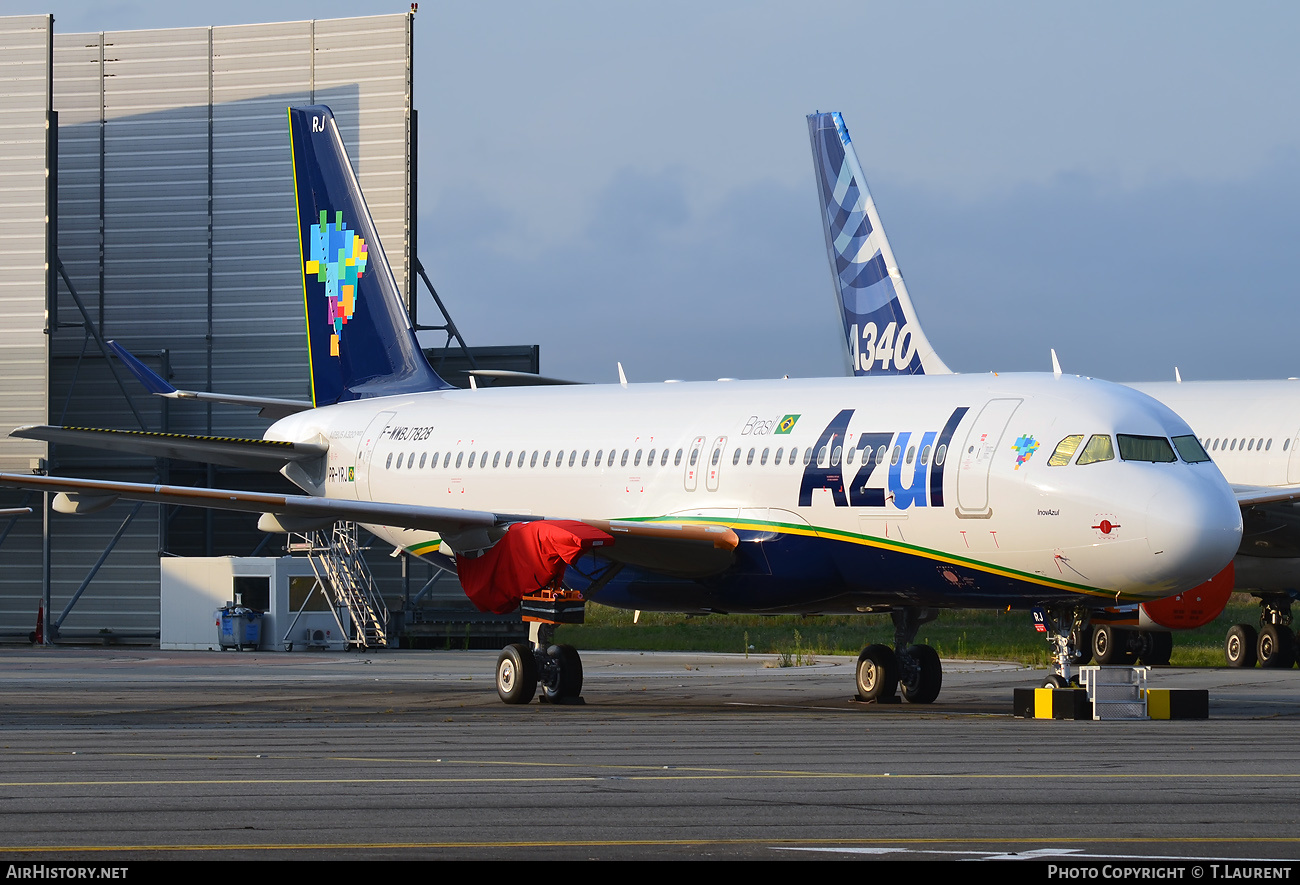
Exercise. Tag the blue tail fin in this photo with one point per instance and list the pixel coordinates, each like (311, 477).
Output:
(359, 337)
(881, 330)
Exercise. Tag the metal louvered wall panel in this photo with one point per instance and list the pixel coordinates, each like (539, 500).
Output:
(24, 160)
(79, 97)
(370, 51)
(257, 320)
(156, 203)
(177, 228)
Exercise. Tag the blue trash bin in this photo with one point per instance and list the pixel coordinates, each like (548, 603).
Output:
(240, 628)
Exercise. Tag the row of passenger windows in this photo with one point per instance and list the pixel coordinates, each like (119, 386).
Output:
(1153, 449)
(825, 456)
(408, 461)
(1241, 445)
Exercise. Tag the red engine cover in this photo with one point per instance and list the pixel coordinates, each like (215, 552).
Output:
(528, 557)
(1196, 607)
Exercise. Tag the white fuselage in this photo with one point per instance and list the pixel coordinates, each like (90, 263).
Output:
(1249, 428)
(846, 493)
(1252, 431)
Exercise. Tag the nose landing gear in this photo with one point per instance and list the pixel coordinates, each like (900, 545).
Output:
(1066, 628)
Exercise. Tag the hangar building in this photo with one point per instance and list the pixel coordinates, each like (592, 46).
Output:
(173, 232)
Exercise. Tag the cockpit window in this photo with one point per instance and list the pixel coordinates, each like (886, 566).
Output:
(1065, 450)
(1155, 449)
(1098, 448)
(1190, 449)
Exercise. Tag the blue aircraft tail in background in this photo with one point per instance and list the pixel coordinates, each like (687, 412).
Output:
(881, 330)
(359, 336)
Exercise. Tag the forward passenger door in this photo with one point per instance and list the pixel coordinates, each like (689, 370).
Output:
(976, 457)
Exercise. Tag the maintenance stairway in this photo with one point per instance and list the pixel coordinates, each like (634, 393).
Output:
(342, 574)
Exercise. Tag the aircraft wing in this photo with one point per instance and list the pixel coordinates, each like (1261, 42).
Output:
(672, 548)
(158, 386)
(257, 454)
(410, 516)
(1249, 496)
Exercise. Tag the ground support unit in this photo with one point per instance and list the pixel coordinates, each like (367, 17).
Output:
(1111, 693)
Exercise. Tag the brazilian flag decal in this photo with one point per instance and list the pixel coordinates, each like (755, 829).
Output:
(787, 424)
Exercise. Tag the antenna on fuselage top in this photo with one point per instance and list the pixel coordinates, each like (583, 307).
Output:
(1178, 376)
(622, 378)
(1056, 364)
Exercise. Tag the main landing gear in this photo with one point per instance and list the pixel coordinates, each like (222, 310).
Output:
(1123, 646)
(916, 669)
(1273, 646)
(557, 669)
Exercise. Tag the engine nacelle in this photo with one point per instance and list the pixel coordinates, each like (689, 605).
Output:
(1191, 609)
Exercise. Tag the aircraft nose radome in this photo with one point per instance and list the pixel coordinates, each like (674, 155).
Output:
(1197, 526)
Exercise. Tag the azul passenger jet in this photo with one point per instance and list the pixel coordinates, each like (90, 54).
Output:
(903, 495)
(1250, 428)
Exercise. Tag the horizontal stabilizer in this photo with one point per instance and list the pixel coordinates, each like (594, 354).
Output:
(267, 407)
(510, 378)
(255, 454)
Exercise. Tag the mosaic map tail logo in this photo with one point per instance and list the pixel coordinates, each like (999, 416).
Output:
(360, 342)
(338, 259)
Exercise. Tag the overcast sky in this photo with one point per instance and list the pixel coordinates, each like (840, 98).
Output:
(633, 181)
